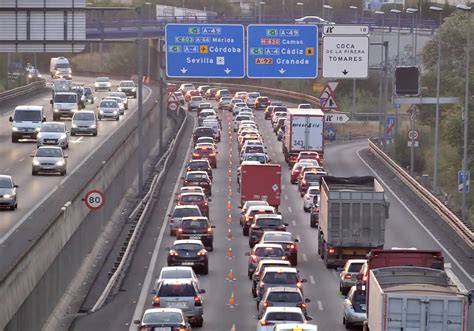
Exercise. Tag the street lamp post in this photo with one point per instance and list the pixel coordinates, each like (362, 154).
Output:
(466, 110)
(354, 81)
(328, 7)
(414, 37)
(397, 13)
(381, 125)
(260, 4)
(301, 4)
(438, 70)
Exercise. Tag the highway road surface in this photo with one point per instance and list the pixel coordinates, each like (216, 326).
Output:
(405, 228)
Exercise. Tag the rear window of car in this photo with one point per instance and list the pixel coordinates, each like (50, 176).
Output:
(188, 247)
(201, 130)
(284, 297)
(192, 198)
(196, 176)
(280, 109)
(254, 149)
(200, 164)
(164, 317)
(263, 211)
(312, 176)
(196, 224)
(186, 212)
(196, 98)
(283, 316)
(268, 221)
(280, 278)
(269, 251)
(174, 274)
(314, 191)
(283, 237)
(355, 267)
(176, 290)
(263, 99)
(242, 118)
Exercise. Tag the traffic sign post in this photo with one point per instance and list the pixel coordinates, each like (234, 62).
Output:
(94, 199)
(390, 125)
(204, 50)
(461, 181)
(282, 51)
(346, 57)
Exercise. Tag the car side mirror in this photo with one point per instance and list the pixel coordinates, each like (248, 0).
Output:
(309, 318)
(66, 156)
(16, 185)
(136, 322)
(304, 280)
(202, 291)
(209, 199)
(297, 240)
(51, 101)
(213, 226)
(10, 119)
(247, 253)
(153, 292)
(32, 155)
(44, 119)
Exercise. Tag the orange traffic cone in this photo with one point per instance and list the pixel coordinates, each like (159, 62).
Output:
(230, 193)
(230, 276)
(232, 300)
(230, 253)
(228, 204)
(229, 235)
(229, 219)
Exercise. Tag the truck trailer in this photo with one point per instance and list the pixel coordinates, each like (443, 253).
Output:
(260, 182)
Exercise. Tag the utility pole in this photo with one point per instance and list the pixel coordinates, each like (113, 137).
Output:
(140, 99)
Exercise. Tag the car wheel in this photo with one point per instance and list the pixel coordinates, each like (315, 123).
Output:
(245, 232)
(34, 173)
(12, 207)
(210, 193)
(99, 118)
(210, 248)
(294, 261)
(198, 323)
(305, 209)
(348, 326)
(63, 173)
(66, 147)
(55, 118)
(14, 140)
(249, 274)
(117, 118)
(16, 205)
(73, 133)
(205, 270)
(95, 134)
(302, 194)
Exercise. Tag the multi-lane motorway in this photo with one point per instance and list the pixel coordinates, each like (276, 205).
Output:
(408, 226)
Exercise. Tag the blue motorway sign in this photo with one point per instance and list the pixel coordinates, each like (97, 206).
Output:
(205, 50)
(282, 51)
(461, 181)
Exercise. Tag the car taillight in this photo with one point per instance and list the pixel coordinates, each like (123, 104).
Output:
(205, 204)
(197, 300)
(292, 246)
(348, 276)
(254, 258)
(364, 279)
(212, 154)
(209, 230)
(195, 154)
(266, 323)
(180, 230)
(301, 305)
(267, 304)
(173, 253)
(156, 302)
(202, 252)
(189, 168)
(331, 250)
(203, 183)
(299, 285)
(303, 182)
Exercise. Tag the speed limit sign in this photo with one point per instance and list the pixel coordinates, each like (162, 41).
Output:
(94, 199)
(173, 105)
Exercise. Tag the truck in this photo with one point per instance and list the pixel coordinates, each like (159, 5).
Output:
(304, 131)
(65, 104)
(414, 298)
(60, 67)
(352, 215)
(260, 182)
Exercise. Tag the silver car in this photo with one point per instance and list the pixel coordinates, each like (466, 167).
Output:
(178, 213)
(355, 311)
(109, 109)
(282, 296)
(195, 102)
(279, 276)
(84, 122)
(121, 95)
(53, 133)
(308, 199)
(163, 319)
(119, 101)
(49, 159)
(177, 272)
(183, 294)
(8, 196)
(102, 84)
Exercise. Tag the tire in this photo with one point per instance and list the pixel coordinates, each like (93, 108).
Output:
(205, 270)
(305, 209)
(118, 117)
(210, 193)
(95, 134)
(348, 326)
(63, 173)
(12, 207)
(199, 323)
(245, 232)
(34, 173)
(99, 118)
(312, 223)
(73, 133)
(249, 274)
(66, 147)
(14, 140)
(210, 248)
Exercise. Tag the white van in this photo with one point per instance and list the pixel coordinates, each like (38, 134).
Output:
(60, 68)
(26, 122)
(65, 104)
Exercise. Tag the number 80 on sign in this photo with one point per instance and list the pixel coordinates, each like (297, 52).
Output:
(94, 199)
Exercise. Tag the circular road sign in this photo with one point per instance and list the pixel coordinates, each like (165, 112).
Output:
(94, 199)
(413, 134)
(173, 105)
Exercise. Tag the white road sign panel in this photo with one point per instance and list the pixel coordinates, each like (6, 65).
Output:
(344, 30)
(346, 57)
(336, 118)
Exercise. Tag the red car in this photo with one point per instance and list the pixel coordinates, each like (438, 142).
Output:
(206, 152)
(308, 155)
(296, 170)
(198, 178)
(195, 198)
(191, 93)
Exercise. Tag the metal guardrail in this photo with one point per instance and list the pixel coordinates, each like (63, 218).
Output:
(146, 203)
(10, 94)
(462, 230)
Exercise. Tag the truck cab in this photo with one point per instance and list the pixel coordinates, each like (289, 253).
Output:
(65, 104)
(60, 68)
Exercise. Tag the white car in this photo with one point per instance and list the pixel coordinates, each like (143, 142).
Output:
(102, 84)
(295, 326)
(308, 198)
(109, 109)
(315, 20)
(215, 127)
(250, 99)
(281, 315)
(304, 106)
(53, 133)
(238, 119)
(179, 272)
(8, 192)
(237, 106)
(121, 95)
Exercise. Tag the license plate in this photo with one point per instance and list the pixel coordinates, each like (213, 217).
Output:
(195, 237)
(26, 136)
(187, 263)
(178, 304)
(162, 329)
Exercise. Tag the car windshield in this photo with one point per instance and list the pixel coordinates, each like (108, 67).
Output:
(202, 131)
(5, 183)
(199, 165)
(268, 221)
(118, 94)
(52, 127)
(274, 237)
(65, 98)
(284, 316)
(108, 104)
(284, 297)
(263, 99)
(313, 191)
(186, 212)
(87, 90)
(196, 177)
(192, 198)
(255, 157)
(176, 290)
(249, 204)
(174, 274)
(49, 152)
(194, 224)
(163, 317)
(312, 176)
(62, 65)
(268, 251)
(242, 118)
(102, 79)
(80, 116)
(280, 278)
(359, 301)
(355, 267)
(26, 115)
(196, 98)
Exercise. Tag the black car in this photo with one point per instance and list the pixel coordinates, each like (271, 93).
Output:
(202, 131)
(191, 253)
(89, 95)
(262, 223)
(314, 215)
(198, 228)
(200, 165)
(198, 178)
(286, 241)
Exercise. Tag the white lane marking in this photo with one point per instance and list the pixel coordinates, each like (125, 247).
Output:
(305, 258)
(298, 237)
(286, 197)
(320, 305)
(335, 273)
(7, 170)
(290, 210)
(137, 314)
(21, 160)
(293, 223)
(445, 250)
(283, 187)
(47, 196)
(78, 140)
(311, 280)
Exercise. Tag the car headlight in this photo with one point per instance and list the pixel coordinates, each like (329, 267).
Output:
(101, 112)
(134, 89)
(55, 110)
(37, 129)
(93, 126)
(30, 76)
(63, 136)
(39, 135)
(14, 128)
(7, 196)
(74, 126)
(115, 112)
(119, 89)
(74, 110)
(60, 163)
(36, 162)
